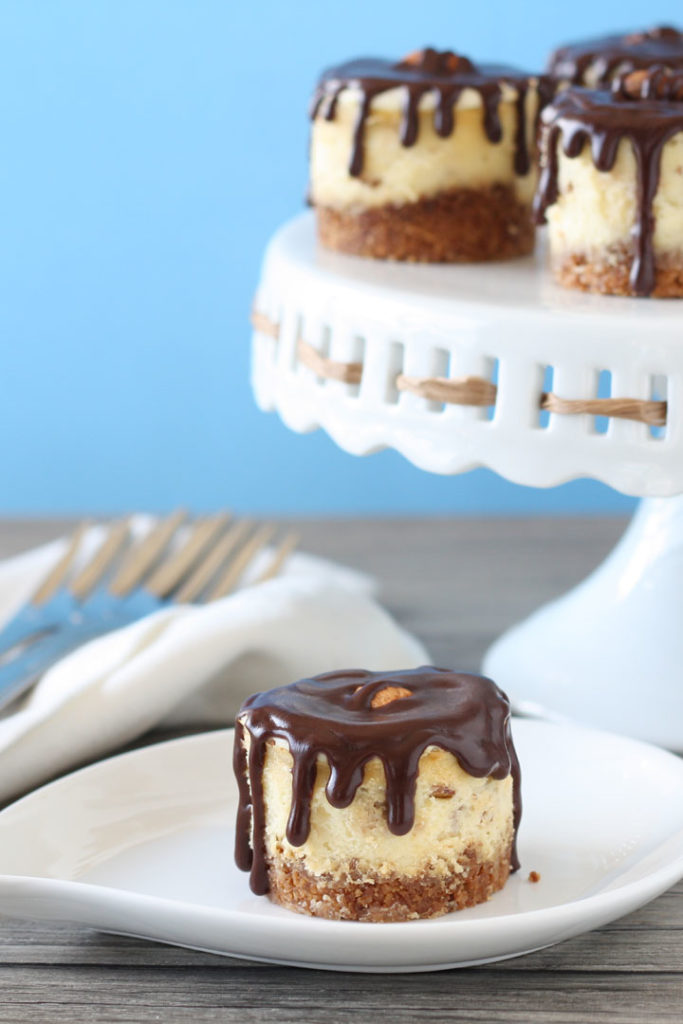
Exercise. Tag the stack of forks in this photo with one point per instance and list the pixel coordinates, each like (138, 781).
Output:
(176, 562)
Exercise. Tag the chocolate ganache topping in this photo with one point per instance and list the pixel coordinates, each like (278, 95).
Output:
(340, 717)
(605, 56)
(583, 117)
(446, 74)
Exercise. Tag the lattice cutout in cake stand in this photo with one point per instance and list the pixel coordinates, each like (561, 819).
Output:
(458, 367)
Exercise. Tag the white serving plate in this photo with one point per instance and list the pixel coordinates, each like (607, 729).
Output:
(142, 845)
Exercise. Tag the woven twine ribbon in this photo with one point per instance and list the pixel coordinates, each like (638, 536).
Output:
(475, 391)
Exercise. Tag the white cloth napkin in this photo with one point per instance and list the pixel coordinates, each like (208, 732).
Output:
(188, 665)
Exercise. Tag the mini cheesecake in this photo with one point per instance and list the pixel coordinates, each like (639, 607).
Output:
(428, 159)
(596, 62)
(611, 187)
(377, 796)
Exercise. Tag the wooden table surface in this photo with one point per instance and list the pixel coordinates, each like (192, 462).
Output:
(457, 585)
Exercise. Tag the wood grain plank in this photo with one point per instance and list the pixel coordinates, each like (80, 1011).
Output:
(615, 948)
(289, 994)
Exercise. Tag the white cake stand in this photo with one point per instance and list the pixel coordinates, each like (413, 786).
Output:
(384, 355)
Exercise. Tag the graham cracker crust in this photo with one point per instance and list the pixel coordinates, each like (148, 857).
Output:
(378, 898)
(609, 272)
(460, 226)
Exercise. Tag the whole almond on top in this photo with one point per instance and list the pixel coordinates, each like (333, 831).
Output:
(650, 84)
(389, 694)
(632, 84)
(413, 59)
(435, 62)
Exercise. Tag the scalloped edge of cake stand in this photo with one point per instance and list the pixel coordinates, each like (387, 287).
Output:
(505, 323)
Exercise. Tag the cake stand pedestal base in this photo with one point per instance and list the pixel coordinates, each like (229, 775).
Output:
(610, 652)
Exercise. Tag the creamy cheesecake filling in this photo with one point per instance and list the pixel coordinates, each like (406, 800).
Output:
(395, 174)
(454, 813)
(597, 210)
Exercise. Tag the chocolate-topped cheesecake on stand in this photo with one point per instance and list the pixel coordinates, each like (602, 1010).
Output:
(596, 62)
(377, 796)
(611, 186)
(431, 158)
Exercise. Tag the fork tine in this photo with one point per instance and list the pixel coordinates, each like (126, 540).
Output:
(143, 556)
(228, 580)
(206, 570)
(282, 553)
(58, 574)
(88, 578)
(171, 572)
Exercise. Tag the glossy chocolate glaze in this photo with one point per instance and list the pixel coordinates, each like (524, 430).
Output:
(608, 54)
(583, 117)
(444, 73)
(332, 716)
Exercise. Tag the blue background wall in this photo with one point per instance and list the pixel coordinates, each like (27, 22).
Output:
(149, 147)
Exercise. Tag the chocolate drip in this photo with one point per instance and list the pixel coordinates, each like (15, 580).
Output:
(445, 74)
(580, 117)
(608, 54)
(333, 716)
(546, 90)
